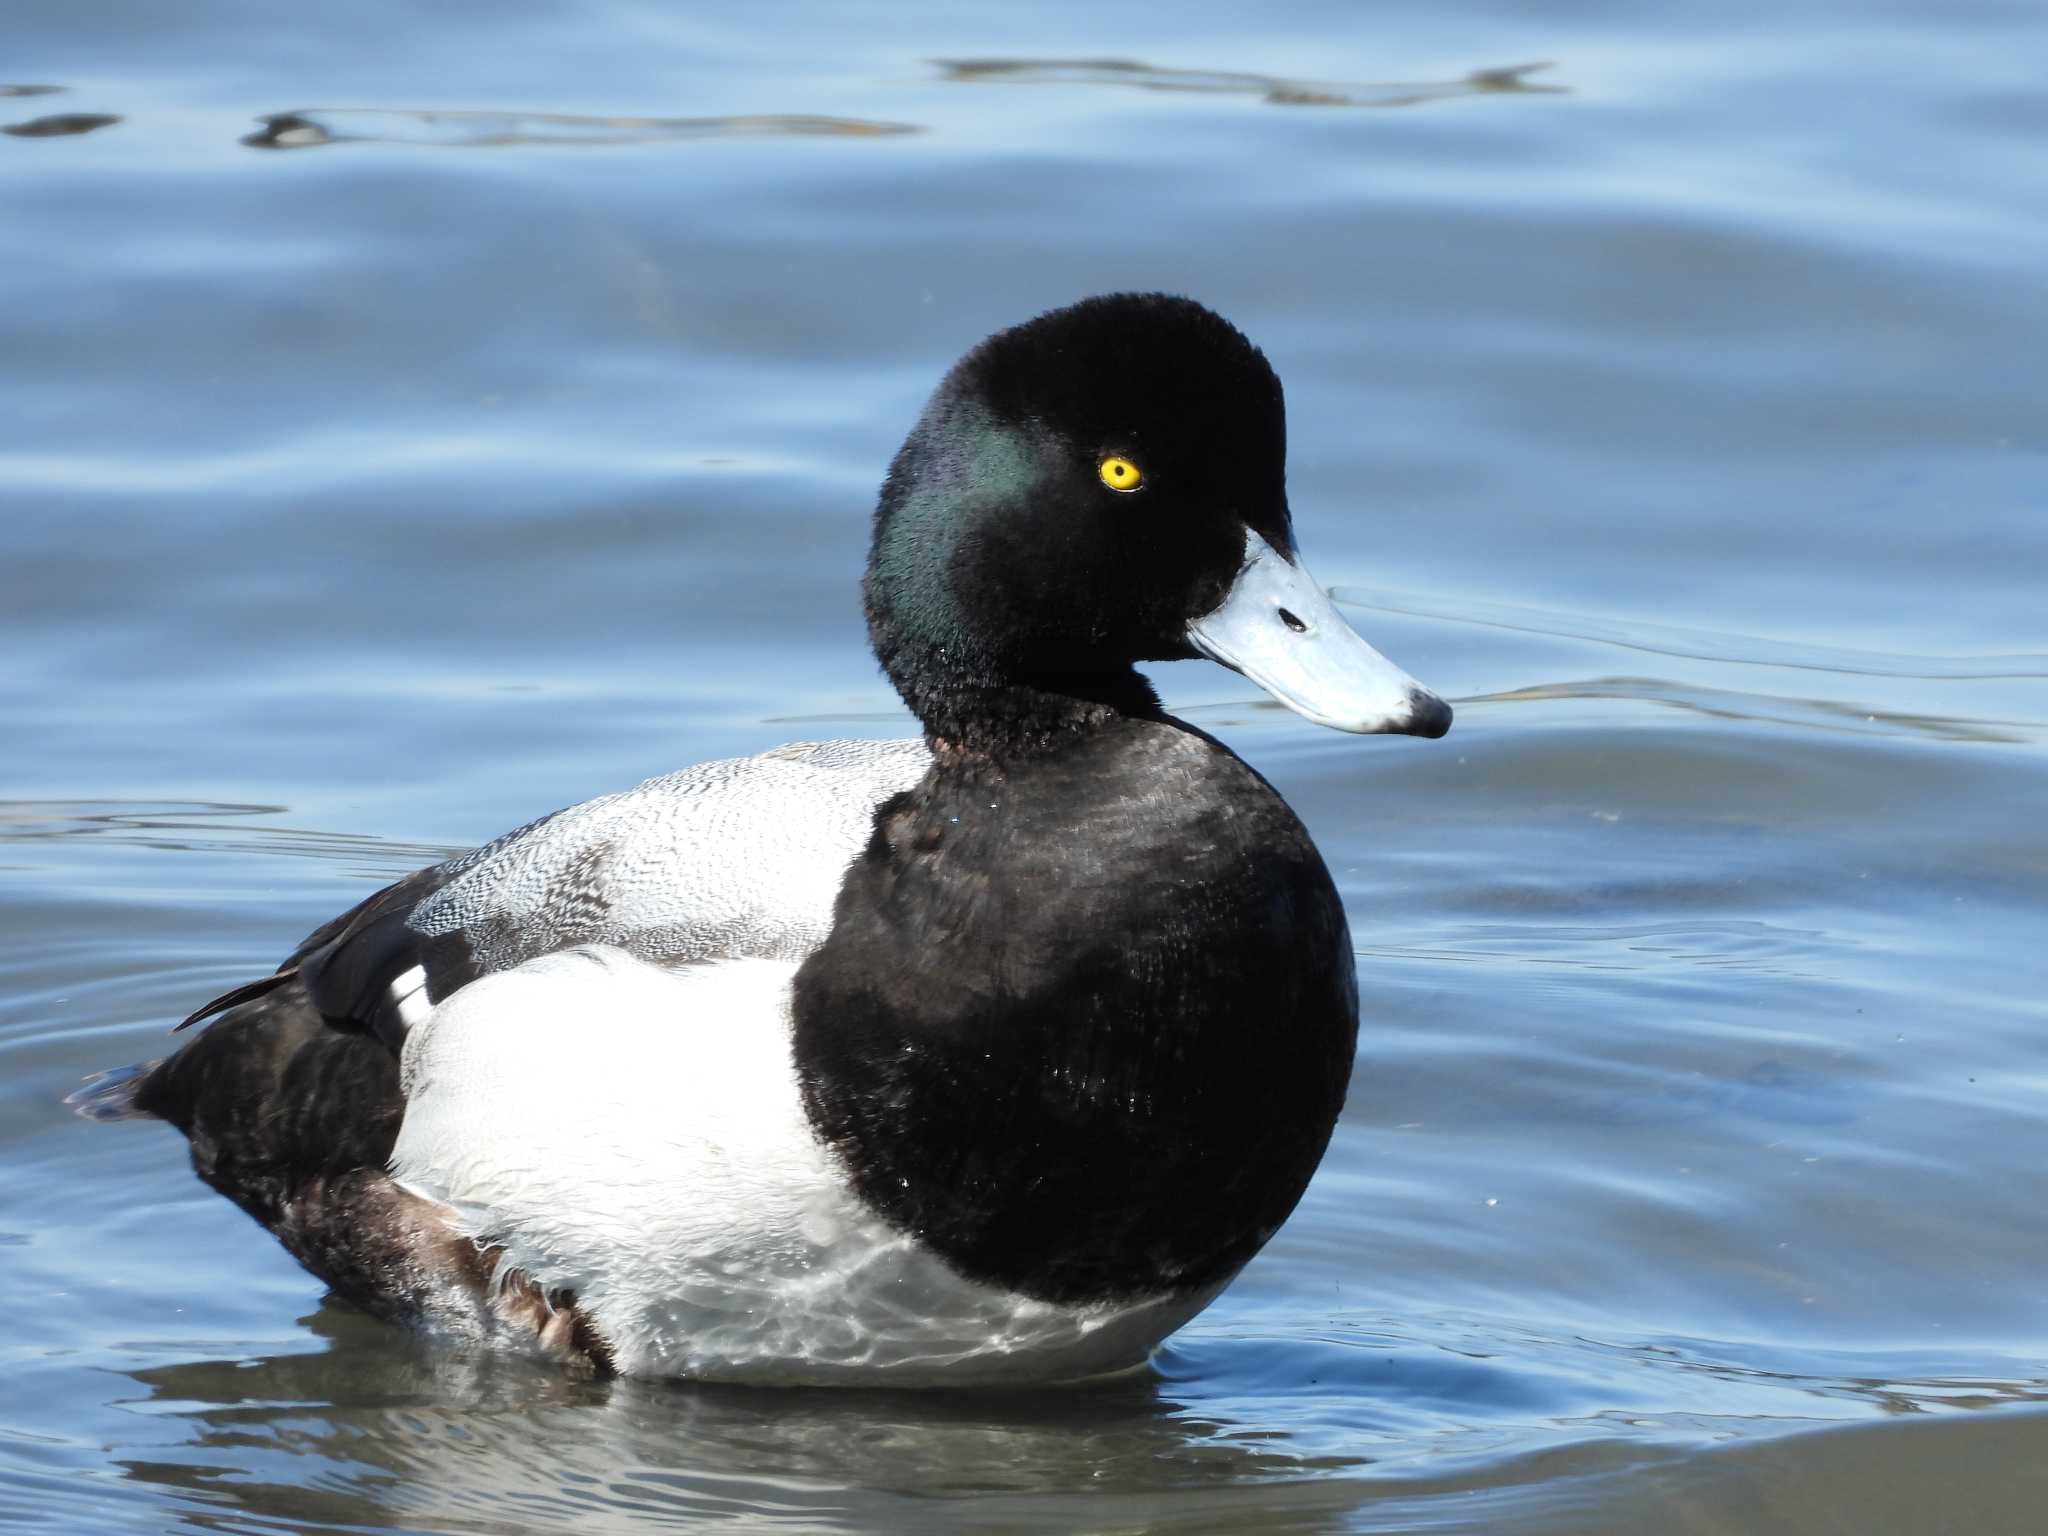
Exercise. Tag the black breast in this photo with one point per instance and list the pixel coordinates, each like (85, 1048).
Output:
(1084, 1026)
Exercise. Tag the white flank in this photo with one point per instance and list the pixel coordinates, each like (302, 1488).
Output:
(636, 1134)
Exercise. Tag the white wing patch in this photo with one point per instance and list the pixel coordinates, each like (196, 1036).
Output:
(408, 992)
(636, 1133)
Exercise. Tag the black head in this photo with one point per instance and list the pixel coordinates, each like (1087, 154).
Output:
(1007, 554)
(1084, 492)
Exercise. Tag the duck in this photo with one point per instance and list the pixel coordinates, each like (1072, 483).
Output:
(983, 1058)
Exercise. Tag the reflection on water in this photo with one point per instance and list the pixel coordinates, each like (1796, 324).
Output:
(410, 1432)
(313, 126)
(30, 90)
(1510, 79)
(410, 1435)
(60, 125)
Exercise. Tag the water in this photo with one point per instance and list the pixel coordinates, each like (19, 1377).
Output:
(420, 419)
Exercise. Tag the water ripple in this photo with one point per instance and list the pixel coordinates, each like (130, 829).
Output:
(1698, 644)
(199, 827)
(60, 125)
(1274, 90)
(1733, 704)
(309, 127)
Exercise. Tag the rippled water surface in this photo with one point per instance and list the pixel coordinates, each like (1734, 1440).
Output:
(418, 418)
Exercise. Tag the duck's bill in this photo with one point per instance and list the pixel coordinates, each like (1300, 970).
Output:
(1280, 629)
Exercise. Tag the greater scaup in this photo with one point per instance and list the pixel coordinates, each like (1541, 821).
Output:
(986, 1057)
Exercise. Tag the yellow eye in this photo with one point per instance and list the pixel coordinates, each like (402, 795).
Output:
(1119, 473)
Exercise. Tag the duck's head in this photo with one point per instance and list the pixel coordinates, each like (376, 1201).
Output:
(1103, 485)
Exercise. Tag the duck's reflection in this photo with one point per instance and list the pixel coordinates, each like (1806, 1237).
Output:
(312, 126)
(1372, 1424)
(1273, 89)
(385, 1431)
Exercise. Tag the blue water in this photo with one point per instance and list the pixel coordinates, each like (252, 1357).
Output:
(500, 426)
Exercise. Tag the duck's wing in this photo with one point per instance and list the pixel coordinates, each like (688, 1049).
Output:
(292, 1099)
(739, 858)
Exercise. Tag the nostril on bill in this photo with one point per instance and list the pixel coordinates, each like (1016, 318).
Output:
(1292, 622)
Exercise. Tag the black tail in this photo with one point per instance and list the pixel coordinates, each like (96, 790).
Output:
(111, 1095)
(246, 992)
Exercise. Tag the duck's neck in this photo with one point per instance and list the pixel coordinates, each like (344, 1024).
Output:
(975, 707)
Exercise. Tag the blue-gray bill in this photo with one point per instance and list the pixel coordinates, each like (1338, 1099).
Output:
(1279, 628)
